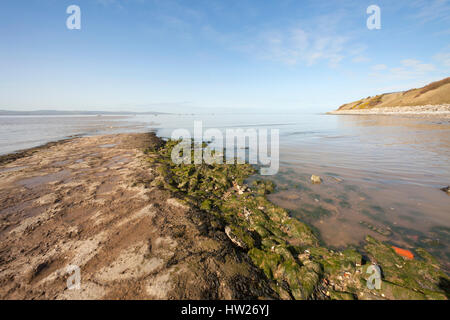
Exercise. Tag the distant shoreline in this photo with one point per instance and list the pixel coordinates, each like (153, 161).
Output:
(426, 111)
(74, 113)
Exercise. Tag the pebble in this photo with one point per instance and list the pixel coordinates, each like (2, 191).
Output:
(316, 179)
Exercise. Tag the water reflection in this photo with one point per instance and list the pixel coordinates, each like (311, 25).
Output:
(381, 177)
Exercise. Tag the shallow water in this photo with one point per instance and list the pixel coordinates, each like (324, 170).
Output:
(23, 132)
(382, 174)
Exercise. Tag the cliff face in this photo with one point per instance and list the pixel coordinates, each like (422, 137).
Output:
(436, 93)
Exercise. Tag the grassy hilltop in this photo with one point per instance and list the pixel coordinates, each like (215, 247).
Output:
(435, 93)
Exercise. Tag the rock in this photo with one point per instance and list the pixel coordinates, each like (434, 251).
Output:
(381, 231)
(240, 189)
(247, 214)
(263, 186)
(303, 257)
(431, 242)
(177, 203)
(337, 295)
(446, 190)
(397, 292)
(422, 275)
(316, 179)
(238, 237)
(40, 267)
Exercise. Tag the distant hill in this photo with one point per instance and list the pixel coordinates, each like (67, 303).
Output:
(65, 113)
(436, 93)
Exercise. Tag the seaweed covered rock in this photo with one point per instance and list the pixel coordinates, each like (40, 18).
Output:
(263, 186)
(240, 237)
(422, 275)
(287, 250)
(279, 264)
(250, 221)
(336, 295)
(345, 272)
(337, 262)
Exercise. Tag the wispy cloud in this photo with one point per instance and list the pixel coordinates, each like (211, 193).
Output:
(107, 3)
(361, 59)
(317, 39)
(443, 58)
(431, 11)
(329, 38)
(308, 44)
(379, 67)
(407, 70)
(296, 46)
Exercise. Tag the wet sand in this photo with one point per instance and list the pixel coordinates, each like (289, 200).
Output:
(88, 202)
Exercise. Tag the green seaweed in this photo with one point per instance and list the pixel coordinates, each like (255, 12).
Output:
(288, 251)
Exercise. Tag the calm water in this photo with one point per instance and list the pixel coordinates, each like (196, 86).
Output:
(381, 174)
(22, 132)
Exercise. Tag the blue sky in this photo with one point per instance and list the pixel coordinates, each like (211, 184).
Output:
(202, 55)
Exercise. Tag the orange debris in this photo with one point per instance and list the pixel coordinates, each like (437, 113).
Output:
(404, 253)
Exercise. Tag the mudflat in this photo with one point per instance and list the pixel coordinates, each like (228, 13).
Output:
(86, 202)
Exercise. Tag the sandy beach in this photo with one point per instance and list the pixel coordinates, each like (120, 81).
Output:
(426, 111)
